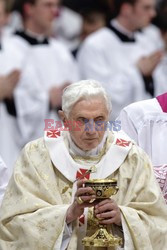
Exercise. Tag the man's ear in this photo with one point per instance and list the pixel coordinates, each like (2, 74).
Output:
(62, 115)
(28, 9)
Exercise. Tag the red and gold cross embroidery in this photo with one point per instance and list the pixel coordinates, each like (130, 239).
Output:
(122, 143)
(81, 220)
(53, 133)
(81, 174)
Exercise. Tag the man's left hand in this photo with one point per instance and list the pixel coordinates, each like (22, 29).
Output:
(108, 212)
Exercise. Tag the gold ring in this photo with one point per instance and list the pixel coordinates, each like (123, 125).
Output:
(79, 200)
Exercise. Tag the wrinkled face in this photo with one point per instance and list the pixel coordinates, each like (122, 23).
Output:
(3, 15)
(143, 11)
(43, 13)
(91, 116)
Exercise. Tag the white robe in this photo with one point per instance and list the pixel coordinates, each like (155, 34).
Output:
(10, 59)
(4, 175)
(67, 27)
(104, 57)
(154, 34)
(42, 66)
(146, 123)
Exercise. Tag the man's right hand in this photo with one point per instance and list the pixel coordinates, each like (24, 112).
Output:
(8, 84)
(86, 194)
(147, 64)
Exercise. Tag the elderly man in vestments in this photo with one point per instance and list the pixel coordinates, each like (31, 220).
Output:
(44, 207)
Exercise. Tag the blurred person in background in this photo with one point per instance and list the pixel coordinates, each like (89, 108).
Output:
(159, 41)
(9, 77)
(154, 30)
(123, 58)
(94, 18)
(161, 21)
(8, 80)
(67, 27)
(46, 66)
(5, 13)
(77, 19)
(146, 123)
(160, 74)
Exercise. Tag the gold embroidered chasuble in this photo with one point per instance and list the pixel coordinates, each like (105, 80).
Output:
(34, 208)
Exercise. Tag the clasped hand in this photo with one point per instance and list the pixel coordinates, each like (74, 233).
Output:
(107, 210)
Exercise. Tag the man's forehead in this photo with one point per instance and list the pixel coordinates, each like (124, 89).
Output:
(89, 115)
(47, 1)
(94, 101)
(90, 108)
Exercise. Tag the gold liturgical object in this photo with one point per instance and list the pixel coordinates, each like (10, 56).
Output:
(102, 238)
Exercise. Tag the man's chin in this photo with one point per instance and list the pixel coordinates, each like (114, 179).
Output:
(90, 146)
(144, 25)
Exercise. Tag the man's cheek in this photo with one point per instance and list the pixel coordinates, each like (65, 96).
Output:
(77, 126)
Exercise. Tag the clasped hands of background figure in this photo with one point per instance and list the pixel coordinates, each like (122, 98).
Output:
(147, 64)
(8, 83)
(107, 211)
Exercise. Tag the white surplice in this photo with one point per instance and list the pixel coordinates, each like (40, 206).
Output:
(42, 66)
(10, 59)
(146, 123)
(4, 177)
(105, 57)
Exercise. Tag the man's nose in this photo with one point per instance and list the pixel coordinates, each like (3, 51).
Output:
(90, 127)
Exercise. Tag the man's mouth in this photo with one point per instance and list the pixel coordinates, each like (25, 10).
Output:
(91, 139)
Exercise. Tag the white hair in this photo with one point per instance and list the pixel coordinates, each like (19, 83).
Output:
(83, 90)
